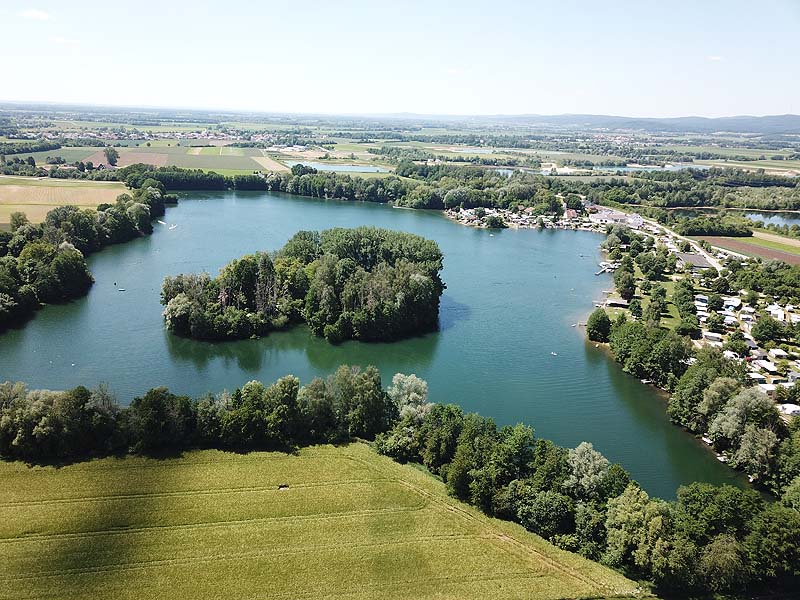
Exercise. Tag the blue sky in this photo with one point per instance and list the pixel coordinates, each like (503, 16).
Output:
(638, 58)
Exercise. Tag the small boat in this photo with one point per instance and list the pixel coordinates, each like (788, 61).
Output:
(162, 222)
(554, 353)
(173, 226)
(574, 325)
(646, 381)
(491, 235)
(722, 459)
(120, 289)
(707, 440)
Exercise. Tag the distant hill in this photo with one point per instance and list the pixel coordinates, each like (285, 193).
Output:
(766, 125)
(142, 116)
(771, 124)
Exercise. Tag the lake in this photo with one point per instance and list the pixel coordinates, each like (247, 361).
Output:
(774, 218)
(322, 166)
(511, 298)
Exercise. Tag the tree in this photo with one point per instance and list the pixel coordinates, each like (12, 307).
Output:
(791, 495)
(756, 451)
(636, 527)
(112, 155)
(773, 544)
(635, 307)
(716, 396)
(722, 564)
(704, 511)
(598, 326)
(546, 513)
(716, 323)
(767, 329)
(589, 470)
(626, 285)
(752, 298)
(689, 326)
(161, 420)
(410, 394)
(494, 222)
(17, 220)
(652, 313)
(715, 302)
(749, 407)
(736, 343)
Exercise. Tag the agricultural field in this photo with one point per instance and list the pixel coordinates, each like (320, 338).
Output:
(36, 196)
(728, 151)
(322, 522)
(761, 245)
(779, 167)
(69, 154)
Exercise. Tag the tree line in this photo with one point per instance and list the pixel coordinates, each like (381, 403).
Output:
(366, 283)
(717, 539)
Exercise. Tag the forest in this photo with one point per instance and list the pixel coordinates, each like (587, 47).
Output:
(365, 284)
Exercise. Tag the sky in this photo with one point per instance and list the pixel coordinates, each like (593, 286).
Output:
(460, 57)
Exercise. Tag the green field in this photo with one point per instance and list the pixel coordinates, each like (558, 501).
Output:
(323, 522)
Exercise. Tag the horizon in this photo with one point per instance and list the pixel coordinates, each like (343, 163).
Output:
(54, 105)
(366, 58)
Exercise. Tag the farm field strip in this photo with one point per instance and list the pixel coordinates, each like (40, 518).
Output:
(270, 164)
(757, 247)
(325, 522)
(788, 243)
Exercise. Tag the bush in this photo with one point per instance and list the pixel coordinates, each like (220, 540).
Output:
(598, 326)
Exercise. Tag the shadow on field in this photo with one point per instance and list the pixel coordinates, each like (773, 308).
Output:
(81, 560)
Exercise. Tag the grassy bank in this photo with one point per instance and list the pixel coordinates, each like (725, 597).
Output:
(322, 522)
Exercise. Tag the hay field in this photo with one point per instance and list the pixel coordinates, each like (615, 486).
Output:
(36, 196)
(324, 522)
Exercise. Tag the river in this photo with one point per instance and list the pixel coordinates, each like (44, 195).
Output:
(511, 299)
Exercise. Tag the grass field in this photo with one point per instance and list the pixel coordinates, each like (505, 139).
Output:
(344, 522)
(35, 197)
